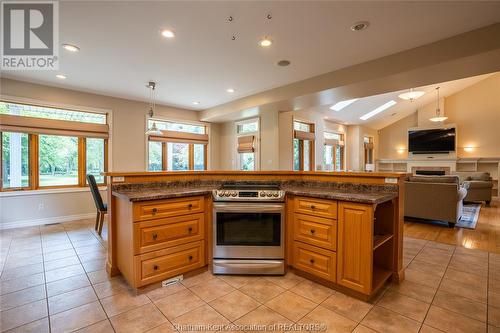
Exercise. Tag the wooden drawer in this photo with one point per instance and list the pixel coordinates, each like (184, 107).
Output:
(314, 260)
(165, 208)
(316, 207)
(316, 231)
(159, 265)
(158, 234)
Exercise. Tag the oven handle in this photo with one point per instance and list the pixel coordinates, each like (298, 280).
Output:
(248, 208)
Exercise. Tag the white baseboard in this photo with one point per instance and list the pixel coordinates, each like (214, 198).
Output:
(46, 220)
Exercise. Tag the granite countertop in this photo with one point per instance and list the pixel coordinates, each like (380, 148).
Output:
(157, 193)
(342, 195)
(368, 194)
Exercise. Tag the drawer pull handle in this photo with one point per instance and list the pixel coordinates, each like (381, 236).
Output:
(190, 206)
(313, 207)
(155, 236)
(190, 229)
(190, 257)
(155, 210)
(311, 261)
(155, 267)
(313, 231)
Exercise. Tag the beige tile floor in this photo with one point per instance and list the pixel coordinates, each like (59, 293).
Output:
(53, 279)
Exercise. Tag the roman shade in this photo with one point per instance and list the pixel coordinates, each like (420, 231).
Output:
(334, 142)
(302, 135)
(30, 125)
(246, 144)
(180, 137)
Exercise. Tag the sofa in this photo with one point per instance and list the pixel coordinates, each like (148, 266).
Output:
(437, 198)
(479, 185)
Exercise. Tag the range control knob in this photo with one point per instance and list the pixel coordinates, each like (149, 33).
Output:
(269, 194)
(234, 193)
(276, 194)
(262, 194)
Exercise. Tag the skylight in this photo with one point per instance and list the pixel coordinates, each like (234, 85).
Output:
(378, 110)
(342, 104)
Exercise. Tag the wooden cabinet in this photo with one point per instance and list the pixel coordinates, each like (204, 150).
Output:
(315, 261)
(157, 234)
(355, 246)
(159, 265)
(316, 207)
(159, 239)
(316, 231)
(314, 236)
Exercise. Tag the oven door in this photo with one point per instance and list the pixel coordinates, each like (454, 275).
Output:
(248, 230)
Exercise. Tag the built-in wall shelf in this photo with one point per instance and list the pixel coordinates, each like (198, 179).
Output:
(379, 240)
(471, 164)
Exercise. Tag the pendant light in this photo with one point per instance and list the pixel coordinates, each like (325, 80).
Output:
(153, 130)
(411, 95)
(438, 117)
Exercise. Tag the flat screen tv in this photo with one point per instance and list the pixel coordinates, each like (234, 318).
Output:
(431, 141)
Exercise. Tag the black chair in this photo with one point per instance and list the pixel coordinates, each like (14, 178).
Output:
(102, 208)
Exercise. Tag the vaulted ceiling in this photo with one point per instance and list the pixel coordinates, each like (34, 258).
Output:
(122, 48)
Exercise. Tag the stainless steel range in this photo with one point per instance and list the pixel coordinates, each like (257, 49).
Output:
(249, 229)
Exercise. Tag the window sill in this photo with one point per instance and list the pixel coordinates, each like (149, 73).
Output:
(47, 191)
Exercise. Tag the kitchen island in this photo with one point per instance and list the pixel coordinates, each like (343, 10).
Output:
(341, 229)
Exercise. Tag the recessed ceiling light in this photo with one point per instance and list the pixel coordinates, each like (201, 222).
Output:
(283, 63)
(265, 42)
(167, 33)
(361, 25)
(196, 103)
(411, 95)
(230, 90)
(61, 76)
(378, 110)
(342, 104)
(71, 48)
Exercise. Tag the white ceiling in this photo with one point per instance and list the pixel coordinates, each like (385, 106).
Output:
(352, 113)
(121, 48)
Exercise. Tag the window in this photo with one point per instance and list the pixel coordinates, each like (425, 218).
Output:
(15, 160)
(181, 147)
(42, 147)
(333, 155)
(303, 146)
(247, 134)
(368, 147)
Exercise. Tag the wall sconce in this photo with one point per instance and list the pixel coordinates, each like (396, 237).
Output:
(469, 149)
(401, 150)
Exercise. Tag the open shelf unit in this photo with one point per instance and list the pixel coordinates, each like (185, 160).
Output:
(383, 243)
(486, 164)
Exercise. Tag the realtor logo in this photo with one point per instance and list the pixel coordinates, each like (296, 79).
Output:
(30, 35)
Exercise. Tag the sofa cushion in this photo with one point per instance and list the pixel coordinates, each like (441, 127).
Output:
(479, 184)
(434, 179)
(480, 176)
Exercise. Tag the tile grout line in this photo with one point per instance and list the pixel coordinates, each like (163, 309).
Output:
(91, 284)
(437, 290)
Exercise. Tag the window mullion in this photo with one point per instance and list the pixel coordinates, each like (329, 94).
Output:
(164, 158)
(34, 167)
(82, 165)
(191, 156)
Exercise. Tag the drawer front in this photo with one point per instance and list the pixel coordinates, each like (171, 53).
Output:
(166, 208)
(316, 231)
(158, 234)
(314, 260)
(316, 207)
(160, 265)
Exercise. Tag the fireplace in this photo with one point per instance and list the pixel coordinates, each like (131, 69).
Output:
(430, 172)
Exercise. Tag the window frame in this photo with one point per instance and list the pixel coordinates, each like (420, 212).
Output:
(33, 148)
(334, 147)
(312, 143)
(368, 152)
(256, 134)
(164, 145)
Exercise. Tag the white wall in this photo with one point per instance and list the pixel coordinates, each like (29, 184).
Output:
(127, 143)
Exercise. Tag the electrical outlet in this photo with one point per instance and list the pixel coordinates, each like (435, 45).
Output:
(41, 206)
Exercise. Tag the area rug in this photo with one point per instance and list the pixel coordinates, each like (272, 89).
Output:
(470, 215)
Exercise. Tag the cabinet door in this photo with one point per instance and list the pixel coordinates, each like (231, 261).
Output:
(354, 248)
